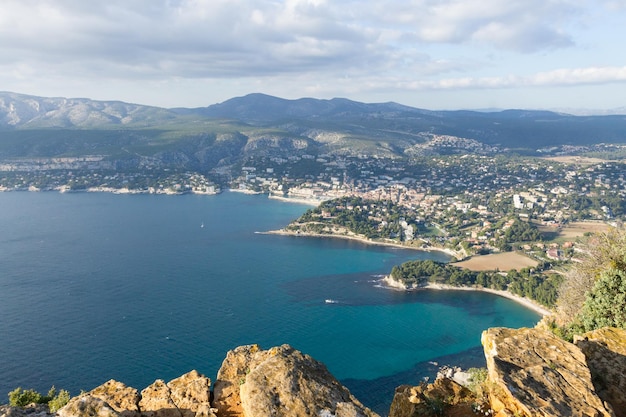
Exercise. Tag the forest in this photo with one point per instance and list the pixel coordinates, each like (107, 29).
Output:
(533, 283)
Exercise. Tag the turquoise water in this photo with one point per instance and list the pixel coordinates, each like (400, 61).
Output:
(100, 286)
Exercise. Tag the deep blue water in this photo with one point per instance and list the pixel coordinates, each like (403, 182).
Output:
(100, 286)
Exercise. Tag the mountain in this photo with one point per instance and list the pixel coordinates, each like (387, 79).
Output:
(24, 111)
(262, 108)
(263, 125)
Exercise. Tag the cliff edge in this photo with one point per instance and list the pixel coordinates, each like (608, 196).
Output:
(530, 372)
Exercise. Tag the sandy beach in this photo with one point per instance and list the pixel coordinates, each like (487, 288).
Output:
(361, 239)
(307, 201)
(526, 302)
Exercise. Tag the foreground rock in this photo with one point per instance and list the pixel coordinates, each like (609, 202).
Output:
(605, 350)
(121, 398)
(32, 410)
(280, 382)
(186, 396)
(444, 397)
(534, 373)
(87, 406)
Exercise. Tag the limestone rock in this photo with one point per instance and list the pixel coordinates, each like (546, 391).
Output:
(280, 382)
(231, 375)
(31, 410)
(156, 401)
(87, 406)
(444, 397)
(534, 373)
(191, 393)
(122, 398)
(605, 350)
(186, 396)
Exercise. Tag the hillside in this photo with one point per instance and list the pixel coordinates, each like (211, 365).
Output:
(261, 125)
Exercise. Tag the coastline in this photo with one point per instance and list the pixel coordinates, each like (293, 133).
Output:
(526, 302)
(306, 201)
(363, 240)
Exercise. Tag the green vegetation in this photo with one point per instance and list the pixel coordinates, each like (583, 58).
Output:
(593, 293)
(59, 401)
(478, 376)
(533, 283)
(55, 400)
(368, 218)
(20, 398)
(605, 305)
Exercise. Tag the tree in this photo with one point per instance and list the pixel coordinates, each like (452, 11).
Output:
(603, 251)
(605, 305)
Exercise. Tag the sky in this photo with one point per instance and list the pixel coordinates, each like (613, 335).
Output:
(431, 54)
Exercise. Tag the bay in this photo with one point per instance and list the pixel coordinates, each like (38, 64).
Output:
(96, 286)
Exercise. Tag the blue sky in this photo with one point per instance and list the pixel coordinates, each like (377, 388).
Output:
(434, 54)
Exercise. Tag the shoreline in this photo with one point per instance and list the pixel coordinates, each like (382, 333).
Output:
(306, 201)
(363, 240)
(526, 302)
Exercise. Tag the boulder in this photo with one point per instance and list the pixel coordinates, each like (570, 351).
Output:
(120, 397)
(605, 350)
(280, 382)
(186, 396)
(31, 410)
(534, 373)
(230, 376)
(191, 393)
(444, 397)
(156, 401)
(87, 406)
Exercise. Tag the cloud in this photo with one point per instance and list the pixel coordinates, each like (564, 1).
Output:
(294, 47)
(238, 38)
(559, 77)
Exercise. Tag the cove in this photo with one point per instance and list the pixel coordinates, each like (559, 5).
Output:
(97, 286)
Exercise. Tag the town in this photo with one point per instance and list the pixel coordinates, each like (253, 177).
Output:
(465, 202)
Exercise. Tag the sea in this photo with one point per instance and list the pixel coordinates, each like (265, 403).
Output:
(99, 286)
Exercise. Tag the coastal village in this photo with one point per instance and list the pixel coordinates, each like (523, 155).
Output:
(460, 202)
(463, 202)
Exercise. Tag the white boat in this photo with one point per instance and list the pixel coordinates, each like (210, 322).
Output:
(330, 301)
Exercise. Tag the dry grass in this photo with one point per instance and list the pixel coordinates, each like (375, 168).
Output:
(501, 261)
(578, 229)
(579, 160)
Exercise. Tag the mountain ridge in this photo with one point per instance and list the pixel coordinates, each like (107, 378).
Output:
(264, 125)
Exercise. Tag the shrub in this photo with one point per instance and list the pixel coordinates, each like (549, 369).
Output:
(20, 398)
(605, 305)
(58, 401)
(478, 376)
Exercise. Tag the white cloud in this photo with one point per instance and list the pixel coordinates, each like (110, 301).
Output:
(559, 77)
(334, 47)
(216, 38)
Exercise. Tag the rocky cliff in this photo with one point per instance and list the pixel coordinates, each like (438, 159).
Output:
(531, 373)
(252, 382)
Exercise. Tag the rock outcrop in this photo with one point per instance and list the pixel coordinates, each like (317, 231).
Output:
(87, 406)
(534, 373)
(280, 382)
(444, 397)
(531, 373)
(123, 399)
(605, 350)
(31, 410)
(185, 396)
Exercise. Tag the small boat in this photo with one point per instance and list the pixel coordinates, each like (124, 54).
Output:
(330, 301)
(202, 225)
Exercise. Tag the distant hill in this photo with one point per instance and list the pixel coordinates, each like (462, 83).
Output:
(259, 124)
(23, 111)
